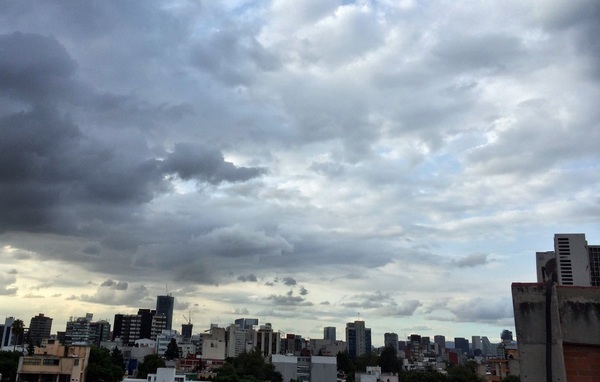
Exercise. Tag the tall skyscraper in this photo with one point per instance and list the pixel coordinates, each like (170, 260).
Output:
(358, 339)
(40, 327)
(594, 251)
(476, 344)
(439, 344)
(164, 307)
(329, 333)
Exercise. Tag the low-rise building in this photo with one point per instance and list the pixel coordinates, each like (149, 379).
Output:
(54, 362)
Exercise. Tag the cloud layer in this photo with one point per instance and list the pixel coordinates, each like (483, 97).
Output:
(302, 162)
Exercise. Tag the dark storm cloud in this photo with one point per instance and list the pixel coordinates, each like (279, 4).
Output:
(248, 278)
(52, 173)
(118, 285)
(205, 164)
(34, 67)
(289, 281)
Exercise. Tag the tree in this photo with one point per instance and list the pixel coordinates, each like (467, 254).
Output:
(388, 360)
(30, 348)
(368, 359)
(248, 367)
(345, 364)
(17, 329)
(172, 351)
(464, 373)
(101, 367)
(149, 365)
(117, 358)
(9, 362)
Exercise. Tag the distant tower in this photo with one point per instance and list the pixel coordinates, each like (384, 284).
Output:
(164, 307)
(390, 340)
(358, 339)
(40, 327)
(439, 344)
(329, 333)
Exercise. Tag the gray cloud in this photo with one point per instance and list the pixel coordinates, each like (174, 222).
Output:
(472, 260)
(249, 278)
(357, 147)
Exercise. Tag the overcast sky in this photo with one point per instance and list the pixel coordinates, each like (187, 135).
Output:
(305, 162)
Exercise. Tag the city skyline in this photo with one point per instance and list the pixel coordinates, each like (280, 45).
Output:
(309, 163)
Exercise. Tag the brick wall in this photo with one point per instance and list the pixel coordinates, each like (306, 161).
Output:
(582, 363)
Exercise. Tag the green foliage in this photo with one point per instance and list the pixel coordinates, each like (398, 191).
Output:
(101, 367)
(464, 373)
(17, 330)
(149, 365)
(248, 367)
(9, 362)
(30, 348)
(116, 356)
(345, 364)
(369, 359)
(389, 361)
(422, 376)
(172, 351)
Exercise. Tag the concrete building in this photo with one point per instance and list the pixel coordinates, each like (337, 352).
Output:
(391, 340)
(329, 333)
(358, 339)
(54, 362)
(164, 307)
(6, 341)
(573, 261)
(439, 344)
(267, 341)
(78, 330)
(571, 324)
(238, 340)
(40, 328)
(309, 369)
(246, 323)
(374, 374)
(462, 344)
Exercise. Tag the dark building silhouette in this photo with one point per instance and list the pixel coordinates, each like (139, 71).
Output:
(164, 307)
(40, 327)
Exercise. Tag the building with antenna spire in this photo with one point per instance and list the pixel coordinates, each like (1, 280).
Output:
(164, 307)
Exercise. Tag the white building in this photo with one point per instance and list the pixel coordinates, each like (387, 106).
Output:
(572, 262)
(309, 369)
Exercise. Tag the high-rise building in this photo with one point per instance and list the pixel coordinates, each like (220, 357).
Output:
(329, 333)
(476, 345)
(99, 331)
(164, 307)
(78, 330)
(40, 327)
(439, 344)
(246, 323)
(358, 339)
(573, 261)
(6, 332)
(461, 343)
(391, 340)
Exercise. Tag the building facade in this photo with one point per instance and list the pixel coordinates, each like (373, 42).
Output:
(40, 328)
(358, 339)
(164, 307)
